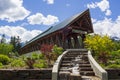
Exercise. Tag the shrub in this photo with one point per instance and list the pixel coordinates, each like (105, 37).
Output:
(40, 64)
(29, 62)
(17, 63)
(47, 52)
(115, 54)
(1, 65)
(57, 51)
(4, 59)
(113, 66)
(36, 56)
(5, 48)
(101, 45)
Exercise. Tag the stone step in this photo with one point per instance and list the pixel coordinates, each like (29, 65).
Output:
(77, 53)
(39, 79)
(66, 65)
(90, 78)
(85, 65)
(86, 69)
(87, 73)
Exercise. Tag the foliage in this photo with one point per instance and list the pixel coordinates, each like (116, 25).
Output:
(117, 45)
(15, 41)
(4, 59)
(113, 66)
(29, 62)
(17, 63)
(3, 40)
(5, 48)
(47, 52)
(37, 56)
(57, 51)
(115, 54)
(1, 65)
(40, 64)
(101, 45)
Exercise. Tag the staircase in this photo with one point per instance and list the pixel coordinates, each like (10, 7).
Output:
(76, 66)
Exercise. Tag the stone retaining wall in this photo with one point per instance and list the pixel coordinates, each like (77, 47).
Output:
(113, 74)
(27, 74)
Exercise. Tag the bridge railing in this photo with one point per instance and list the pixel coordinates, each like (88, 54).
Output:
(99, 71)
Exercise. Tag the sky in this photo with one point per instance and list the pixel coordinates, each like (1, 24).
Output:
(28, 18)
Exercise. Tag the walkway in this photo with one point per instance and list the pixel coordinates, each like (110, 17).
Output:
(75, 65)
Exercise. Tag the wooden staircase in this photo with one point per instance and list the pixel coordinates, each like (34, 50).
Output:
(79, 58)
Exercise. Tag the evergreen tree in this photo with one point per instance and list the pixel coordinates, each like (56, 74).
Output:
(15, 41)
(3, 40)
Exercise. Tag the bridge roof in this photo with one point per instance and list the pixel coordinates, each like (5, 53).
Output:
(57, 27)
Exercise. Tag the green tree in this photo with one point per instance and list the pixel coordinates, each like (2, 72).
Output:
(3, 40)
(5, 48)
(15, 41)
(101, 45)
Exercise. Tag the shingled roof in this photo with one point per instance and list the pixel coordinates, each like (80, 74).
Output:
(57, 27)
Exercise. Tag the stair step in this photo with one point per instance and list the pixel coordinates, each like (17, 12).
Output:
(68, 62)
(66, 65)
(85, 65)
(87, 73)
(39, 79)
(86, 69)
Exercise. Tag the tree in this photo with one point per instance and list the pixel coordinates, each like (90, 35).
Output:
(15, 41)
(101, 45)
(3, 40)
(5, 48)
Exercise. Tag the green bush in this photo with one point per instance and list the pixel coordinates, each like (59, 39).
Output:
(1, 65)
(4, 59)
(115, 54)
(37, 56)
(17, 63)
(5, 48)
(56, 51)
(113, 66)
(40, 64)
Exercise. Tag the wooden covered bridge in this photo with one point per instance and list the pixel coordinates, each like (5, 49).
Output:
(75, 63)
(68, 34)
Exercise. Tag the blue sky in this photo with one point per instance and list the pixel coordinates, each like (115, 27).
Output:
(28, 18)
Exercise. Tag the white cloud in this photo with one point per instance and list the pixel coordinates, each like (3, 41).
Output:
(24, 34)
(12, 10)
(108, 12)
(49, 1)
(93, 20)
(92, 5)
(39, 18)
(108, 26)
(103, 5)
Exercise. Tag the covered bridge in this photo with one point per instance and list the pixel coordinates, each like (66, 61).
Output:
(67, 34)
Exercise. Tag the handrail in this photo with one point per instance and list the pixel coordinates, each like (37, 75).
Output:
(99, 71)
(58, 62)
(57, 65)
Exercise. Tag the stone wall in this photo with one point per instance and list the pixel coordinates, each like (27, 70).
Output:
(27, 74)
(113, 74)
